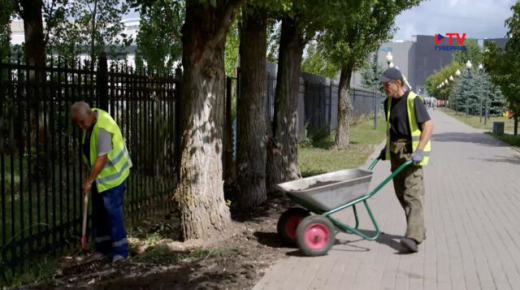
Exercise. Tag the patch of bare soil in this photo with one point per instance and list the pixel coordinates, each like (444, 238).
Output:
(235, 261)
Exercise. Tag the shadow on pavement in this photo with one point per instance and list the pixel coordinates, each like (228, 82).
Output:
(515, 160)
(477, 138)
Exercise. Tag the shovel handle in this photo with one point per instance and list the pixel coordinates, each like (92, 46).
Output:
(85, 213)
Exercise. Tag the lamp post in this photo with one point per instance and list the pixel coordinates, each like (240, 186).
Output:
(468, 67)
(389, 58)
(457, 75)
(481, 69)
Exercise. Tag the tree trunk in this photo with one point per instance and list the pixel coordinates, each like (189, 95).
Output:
(282, 152)
(342, 141)
(252, 108)
(33, 30)
(200, 192)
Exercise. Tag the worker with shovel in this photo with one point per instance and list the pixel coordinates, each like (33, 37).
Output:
(105, 154)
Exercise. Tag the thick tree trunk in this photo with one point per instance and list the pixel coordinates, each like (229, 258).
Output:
(282, 152)
(342, 141)
(252, 107)
(200, 191)
(33, 29)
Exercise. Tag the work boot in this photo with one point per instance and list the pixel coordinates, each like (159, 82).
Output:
(410, 245)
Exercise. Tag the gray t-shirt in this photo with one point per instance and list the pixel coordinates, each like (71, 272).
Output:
(104, 145)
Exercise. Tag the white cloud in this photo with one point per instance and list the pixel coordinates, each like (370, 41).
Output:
(478, 19)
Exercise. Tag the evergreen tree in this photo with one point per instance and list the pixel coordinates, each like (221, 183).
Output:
(369, 76)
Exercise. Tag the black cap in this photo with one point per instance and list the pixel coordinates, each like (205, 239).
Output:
(391, 74)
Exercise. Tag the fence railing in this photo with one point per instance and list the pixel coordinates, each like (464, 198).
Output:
(40, 157)
(40, 151)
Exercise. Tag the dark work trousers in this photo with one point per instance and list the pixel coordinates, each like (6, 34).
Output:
(107, 221)
(409, 188)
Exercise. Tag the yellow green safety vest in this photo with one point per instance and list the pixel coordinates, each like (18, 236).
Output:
(416, 132)
(118, 165)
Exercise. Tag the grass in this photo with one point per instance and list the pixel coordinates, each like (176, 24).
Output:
(474, 121)
(509, 139)
(318, 157)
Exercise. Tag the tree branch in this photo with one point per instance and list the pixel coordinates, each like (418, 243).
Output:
(49, 27)
(18, 9)
(229, 12)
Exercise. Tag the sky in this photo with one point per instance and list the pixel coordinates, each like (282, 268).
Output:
(477, 18)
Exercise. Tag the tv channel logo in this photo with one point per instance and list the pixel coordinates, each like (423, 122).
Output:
(439, 38)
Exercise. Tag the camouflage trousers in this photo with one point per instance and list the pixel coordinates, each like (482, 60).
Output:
(409, 189)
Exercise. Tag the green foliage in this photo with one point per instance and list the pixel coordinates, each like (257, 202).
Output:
(475, 89)
(315, 63)
(88, 26)
(5, 29)
(273, 40)
(434, 80)
(472, 53)
(232, 49)
(504, 66)
(349, 43)
(370, 76)
(159, 37)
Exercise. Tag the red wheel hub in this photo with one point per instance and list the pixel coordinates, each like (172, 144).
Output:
(291, 225)
(316, 236)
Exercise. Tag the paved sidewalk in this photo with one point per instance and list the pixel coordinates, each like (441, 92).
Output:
(472, 215)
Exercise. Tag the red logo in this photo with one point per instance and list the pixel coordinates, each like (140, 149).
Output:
(439, 38)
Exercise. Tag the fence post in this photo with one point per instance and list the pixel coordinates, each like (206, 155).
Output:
(102, 82)
(178, 121)
(330, 108)
(375, 111)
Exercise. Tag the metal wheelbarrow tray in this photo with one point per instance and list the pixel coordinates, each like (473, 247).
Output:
(324, 195)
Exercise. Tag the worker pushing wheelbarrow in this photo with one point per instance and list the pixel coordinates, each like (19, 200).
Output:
(325, 195)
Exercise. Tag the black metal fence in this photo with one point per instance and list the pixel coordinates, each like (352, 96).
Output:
(40, 157)
(318, 104)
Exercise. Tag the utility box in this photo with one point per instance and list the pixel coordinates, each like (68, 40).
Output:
(498, 128)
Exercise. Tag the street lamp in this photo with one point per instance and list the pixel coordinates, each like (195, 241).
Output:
(389, 58)
(451, 78)
(481, 70)
(468, 67)
(391, 65)
(457, 73)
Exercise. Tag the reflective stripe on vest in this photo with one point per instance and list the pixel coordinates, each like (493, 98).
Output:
(414, 128)
(117, 167)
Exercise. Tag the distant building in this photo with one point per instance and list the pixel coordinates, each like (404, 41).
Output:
(418, 59)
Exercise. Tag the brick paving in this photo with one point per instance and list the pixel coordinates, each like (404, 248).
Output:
(472, 216)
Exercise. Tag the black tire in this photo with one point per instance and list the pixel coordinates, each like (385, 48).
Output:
(287, 219)
(325, 235)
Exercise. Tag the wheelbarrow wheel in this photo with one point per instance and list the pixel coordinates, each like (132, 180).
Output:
(288, 223)
(315, 235)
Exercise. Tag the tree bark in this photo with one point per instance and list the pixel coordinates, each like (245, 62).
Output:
(252, 108)
(342, 141)
(33, 30)
(282, 152)
(200, 192)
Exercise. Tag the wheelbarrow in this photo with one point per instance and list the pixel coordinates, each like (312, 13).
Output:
(324, 195)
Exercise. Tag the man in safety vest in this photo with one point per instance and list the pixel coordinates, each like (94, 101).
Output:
(409, 130)
(108, 161)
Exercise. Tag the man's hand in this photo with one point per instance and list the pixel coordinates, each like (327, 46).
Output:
(382, 155)
(417, 156)
(86, 186)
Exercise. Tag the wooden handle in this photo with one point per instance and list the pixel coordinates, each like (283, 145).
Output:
(85, 213)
